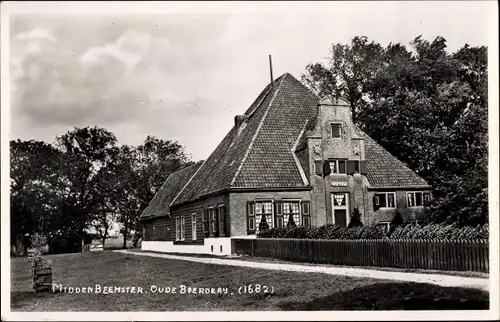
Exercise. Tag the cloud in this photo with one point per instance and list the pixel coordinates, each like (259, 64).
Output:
(180, 76)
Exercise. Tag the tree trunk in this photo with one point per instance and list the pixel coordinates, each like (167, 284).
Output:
(125, 237)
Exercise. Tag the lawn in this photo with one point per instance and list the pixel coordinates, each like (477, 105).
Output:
(292, 291)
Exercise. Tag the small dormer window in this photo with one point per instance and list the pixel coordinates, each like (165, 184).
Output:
(336, 130)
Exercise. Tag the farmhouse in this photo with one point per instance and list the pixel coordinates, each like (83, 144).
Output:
(291, 157)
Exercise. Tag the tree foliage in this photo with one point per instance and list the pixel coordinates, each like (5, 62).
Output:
(424, 105)
(86, 182)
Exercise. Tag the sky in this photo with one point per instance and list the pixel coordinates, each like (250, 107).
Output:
(184, 76)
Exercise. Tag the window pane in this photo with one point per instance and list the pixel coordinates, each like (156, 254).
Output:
(333, 166)
(390, 200)
(342, 167)
(336, 130)
(418, 198)
(382, 200)
(339, 199)
(411, 199)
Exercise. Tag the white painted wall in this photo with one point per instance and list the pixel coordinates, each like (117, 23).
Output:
(214, 246)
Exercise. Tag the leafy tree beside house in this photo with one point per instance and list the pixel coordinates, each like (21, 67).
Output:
(355, 219)
(425, 106)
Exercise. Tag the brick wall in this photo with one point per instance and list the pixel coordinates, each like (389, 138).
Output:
(238, 205)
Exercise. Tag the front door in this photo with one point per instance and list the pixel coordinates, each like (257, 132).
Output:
(340, 209)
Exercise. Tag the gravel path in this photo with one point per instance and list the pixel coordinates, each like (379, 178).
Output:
(441, 280)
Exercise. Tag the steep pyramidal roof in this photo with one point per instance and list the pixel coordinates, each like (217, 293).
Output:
(260, 153)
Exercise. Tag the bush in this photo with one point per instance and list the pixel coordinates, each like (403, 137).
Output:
(408, 231)
(355, 219)
(328, 231)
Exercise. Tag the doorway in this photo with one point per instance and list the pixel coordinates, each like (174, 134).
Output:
(340, 209)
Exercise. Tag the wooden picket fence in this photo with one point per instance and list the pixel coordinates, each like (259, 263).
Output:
(450, 255)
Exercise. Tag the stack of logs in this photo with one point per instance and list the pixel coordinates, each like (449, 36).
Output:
(42, 271)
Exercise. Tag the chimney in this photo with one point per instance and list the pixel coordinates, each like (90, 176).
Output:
(238, 120)
(271, 70)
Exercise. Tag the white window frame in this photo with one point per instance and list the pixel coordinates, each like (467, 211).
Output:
(193, 227)
(183, 228)
(177, 228)
(212, 222)
(415, 198)
(386, 223)
(257, 220)
(387, 200)
(285, 220)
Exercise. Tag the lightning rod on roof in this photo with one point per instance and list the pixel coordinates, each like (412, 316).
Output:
(271, 69)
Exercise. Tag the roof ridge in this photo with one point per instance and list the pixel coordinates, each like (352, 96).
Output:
(191, 178)
(297, 162)
(247, 152)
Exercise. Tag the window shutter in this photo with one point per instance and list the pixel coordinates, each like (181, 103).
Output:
(318, 167)
(376, 202)
(326, 168)
(250, 215)
(205, 221)
(222, 221)
(362, 166)
(278, 208)
(306, 208)
(350, 167)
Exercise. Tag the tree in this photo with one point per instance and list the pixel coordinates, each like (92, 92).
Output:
(427, 107)
(154, 161)
(350, 71)
(355, 219)
(396, 221)
(33, 182)
(86, 151)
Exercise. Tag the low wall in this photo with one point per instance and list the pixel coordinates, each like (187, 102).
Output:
(212, 246)
(453, 255)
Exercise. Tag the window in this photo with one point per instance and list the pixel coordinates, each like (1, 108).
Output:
(264, 209)
(336, 130)
(307, 221)
(280, 222)
(338, 166)
(221, 219)
(193, 226)
(205, 222)
(384, 200)
(385, 225)
(417, 198)
(212, 214)
(291, 208)
(177, 228)
(183, 228)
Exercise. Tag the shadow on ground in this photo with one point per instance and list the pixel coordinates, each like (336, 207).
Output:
(397, 296)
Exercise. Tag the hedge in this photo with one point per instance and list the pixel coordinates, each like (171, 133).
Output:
(408, 231)
(441, 231)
